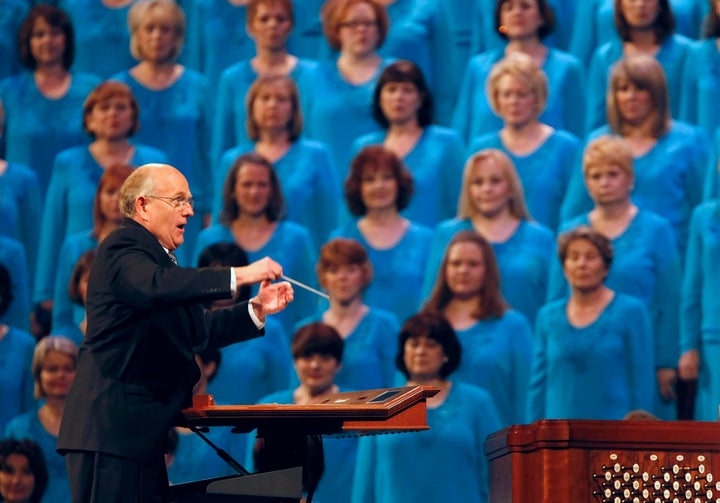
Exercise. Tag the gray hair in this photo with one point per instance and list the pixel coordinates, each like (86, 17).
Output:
(139, 183)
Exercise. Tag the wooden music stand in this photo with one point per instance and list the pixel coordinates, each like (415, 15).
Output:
(285, 428)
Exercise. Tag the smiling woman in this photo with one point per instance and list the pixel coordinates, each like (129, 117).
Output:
(23, 472)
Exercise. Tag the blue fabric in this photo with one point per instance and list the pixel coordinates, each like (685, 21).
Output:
(444, 463)
(339, 454)
(671, 56)
(37, 128)
(668, 179)
(397, 271)
(21, 209)
(565, 104)
(700, 304)
(458, 41)
(196, 460)
(308, 182)
(291, 247)
(336, 111)
(545, 173)
(69, 206)
(436, 163)
(711, 186)
(646, 265)
(229, 122)
(523, 260)
(701, 85)
(12, 256)
(65, 312)
(16, 379)
(28, 426)
(102, 38)
(600, 371)
(12, 13)
(369, 354)
(496, 356)
(307, 39)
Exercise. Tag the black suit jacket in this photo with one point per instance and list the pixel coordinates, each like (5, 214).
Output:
(136, 367)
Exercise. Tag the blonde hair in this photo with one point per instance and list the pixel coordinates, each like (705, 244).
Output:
(42, 349)
(139, 14)
(523, 68)
(608, 150)
(466, 206)
(294, 126)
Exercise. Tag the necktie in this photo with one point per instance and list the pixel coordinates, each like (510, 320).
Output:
(172, 257)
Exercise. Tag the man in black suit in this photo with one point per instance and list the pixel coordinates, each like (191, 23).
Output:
(145, 322)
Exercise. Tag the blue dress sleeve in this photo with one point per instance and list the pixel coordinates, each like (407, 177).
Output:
(641, 362)
(536, 404)
(692, 286)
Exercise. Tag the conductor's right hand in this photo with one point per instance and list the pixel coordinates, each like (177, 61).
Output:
(260, 270)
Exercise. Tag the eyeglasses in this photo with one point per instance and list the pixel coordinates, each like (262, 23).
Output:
(179, 203)
(357, 23)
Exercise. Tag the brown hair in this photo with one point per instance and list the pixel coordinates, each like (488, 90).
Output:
(113, 177)
(56, 18)
(295, 125)
(105, 91)
(664, 24)
(333, 12)
(343, 251)
(82, 268)
(253, 5)
(546, 13)
(317, 338)
(598, 240)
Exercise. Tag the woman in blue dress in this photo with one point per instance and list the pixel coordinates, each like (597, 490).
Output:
(525, 25)
(669, 156)
(403, 106)
(641, 30)
(43, 106)
(543, 156)
(106, 217)
(446, 462)
(496, 340)
(700, 312)
(492, 203)
(253, 217)
(337, 94)
(12, 256)
(269, 23)
(12, 12)
(53, 367)
(377, 189)
(304, 167)
(110, 118)
(646, 263)
(23, 471)
(174, 102)
(344, 271)
(593, 356)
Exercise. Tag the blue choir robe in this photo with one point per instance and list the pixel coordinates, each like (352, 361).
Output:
(701, 85)
(12, 13)
(307, 39)
(12, 256)
(16, 379)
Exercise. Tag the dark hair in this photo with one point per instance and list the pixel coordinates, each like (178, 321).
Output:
(275, 209)
(55, 17)
(491, 303)
(546, 13)
(664, 25)
(36, 463)
(435, 326)
(377, 157)
(711, 23)
(114, 176)
(82, 267)
(404, 71)
(226, 255)
(599, 241)
(6, 293)
(253, 5)
(317, 338)
(103, 92)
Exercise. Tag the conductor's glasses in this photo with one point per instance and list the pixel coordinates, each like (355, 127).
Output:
(178, 203)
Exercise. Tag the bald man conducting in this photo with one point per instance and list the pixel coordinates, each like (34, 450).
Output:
(145, 322)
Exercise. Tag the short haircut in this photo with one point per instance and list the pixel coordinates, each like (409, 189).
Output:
(523, 68)
(333, 13)
(546, 13)
(608, 150)
(253, 5)
(56, 18)
(275, 209)
(344, 251)
(664, 25)
(36, 462)
(434, 325)
(294, 127)
(141, 11)
(375, 158)
(139, 183)
(226, 255)
(103, 92)
(6, 287)
(643, 72)
(599, 241)
(466, 206)
(42, 349)
(317, 339)
(404, 71)
(491, 303)
(82, 268)
(113, 178)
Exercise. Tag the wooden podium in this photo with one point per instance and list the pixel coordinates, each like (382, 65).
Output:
(564, 461)
(285, 428)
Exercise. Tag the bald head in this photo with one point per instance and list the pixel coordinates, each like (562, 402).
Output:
(143, 181)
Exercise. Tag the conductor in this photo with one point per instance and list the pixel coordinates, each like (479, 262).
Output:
(145, 322)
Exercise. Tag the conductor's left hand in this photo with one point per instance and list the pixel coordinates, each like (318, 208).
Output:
(272, 298)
